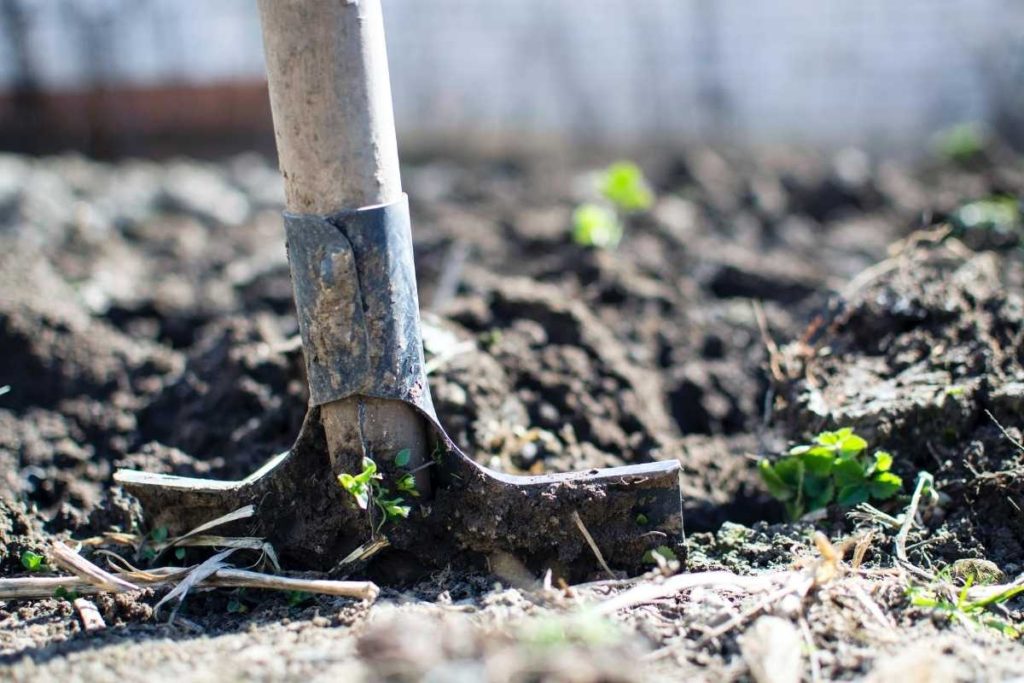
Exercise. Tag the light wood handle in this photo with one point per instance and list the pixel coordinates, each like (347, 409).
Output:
(330, 95)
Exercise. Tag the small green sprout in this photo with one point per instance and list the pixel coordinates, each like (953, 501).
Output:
(662, 551)
(961, 143)
(624, 185)
(572, 629)
(365, 487)
(62, 593)
(407, 484)
(622, 190)
(490, 338)
(998, 213)
(360, 486)
(296, 598)
(642, 519)
(960, 608)
(402, 457)
(393, 508)
(594, 225)
(159, 534)
(236, 606)
(179, 553)
(33, 562)
(832, 469)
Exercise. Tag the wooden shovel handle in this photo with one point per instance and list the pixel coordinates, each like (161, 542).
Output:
(330, 96)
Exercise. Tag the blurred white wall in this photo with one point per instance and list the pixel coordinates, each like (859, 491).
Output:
(886, 73)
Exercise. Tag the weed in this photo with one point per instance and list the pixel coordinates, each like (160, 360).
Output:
(236, 606)
(624, 185)
(407, 484)
(62, 593)
(663, 551)
(360, 486)
(959, 607)
(296, 598)
(622, 190)
(961, 143)
(574, 629)
(490, 338)
(402, 457)
(998, 213)
(832, 469)
(33, 562)
(596, 226)
(366, 487)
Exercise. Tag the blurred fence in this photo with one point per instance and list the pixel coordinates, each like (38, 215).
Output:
(875, 72)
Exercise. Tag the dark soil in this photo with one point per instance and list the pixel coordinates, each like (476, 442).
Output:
(146, 321)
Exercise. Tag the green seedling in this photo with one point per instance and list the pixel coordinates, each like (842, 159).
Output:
(662, 551)
(622, 190)
(594, 225)
(998, 213)
(573, 629)
(407, 484)
(832, 469)
(62, 593)
(366, 487)
(33, 562)
(402, 457)
(623, 184)
(961, 143)
(236, 606)
(961, 609)
(296, 598)
(360, 486)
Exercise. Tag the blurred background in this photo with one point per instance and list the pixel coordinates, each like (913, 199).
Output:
(152, 77)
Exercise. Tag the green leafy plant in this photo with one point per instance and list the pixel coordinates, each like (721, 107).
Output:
(834, 468)
(594, 225)
(33, 562)
(961, 143)
(622, 189)
(296, 598)
(366, 487)
(62, 593)
(624, 185)
(360, 486)
(998, 213)
(959, 607)
(663, 551)
(236, 606)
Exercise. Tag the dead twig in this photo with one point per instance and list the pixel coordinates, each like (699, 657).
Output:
(34, 588)
(1009, 438)
(91, 618)
(645, 593)
(774, 354)
(194, 576)
(593, 545)
(909, 515)
(62, 556)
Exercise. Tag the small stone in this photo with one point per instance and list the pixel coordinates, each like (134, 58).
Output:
(772, 648)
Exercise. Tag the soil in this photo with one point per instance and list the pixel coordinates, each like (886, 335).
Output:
(146, 321)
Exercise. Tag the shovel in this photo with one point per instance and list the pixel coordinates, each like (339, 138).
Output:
(372, 476)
